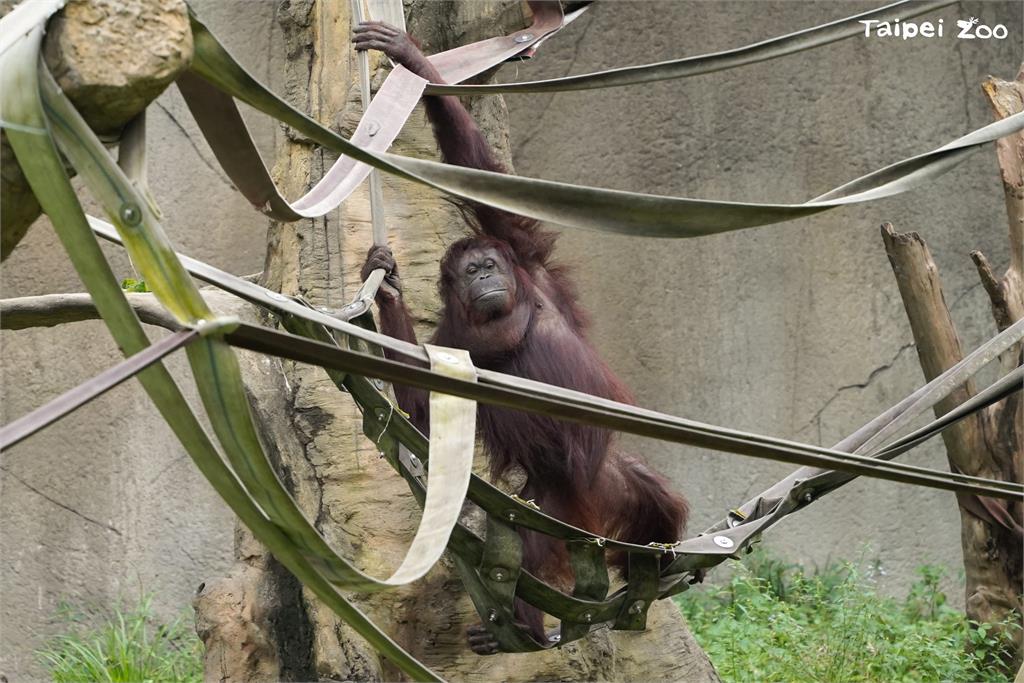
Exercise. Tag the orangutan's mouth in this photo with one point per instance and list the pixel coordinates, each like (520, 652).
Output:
(489, 292)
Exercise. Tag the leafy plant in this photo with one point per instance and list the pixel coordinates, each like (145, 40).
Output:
(132, 285)
(122, 645)
(774, 621)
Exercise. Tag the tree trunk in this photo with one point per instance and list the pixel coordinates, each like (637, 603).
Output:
(989, 443)
(257, 623)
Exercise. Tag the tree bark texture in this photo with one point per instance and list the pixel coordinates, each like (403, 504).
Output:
(112, 58)
(989, 443)
(313, 431)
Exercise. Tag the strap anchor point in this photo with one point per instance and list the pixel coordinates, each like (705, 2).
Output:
(723, 541)
(130, 214)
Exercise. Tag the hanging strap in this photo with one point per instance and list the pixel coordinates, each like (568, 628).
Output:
(687, 67)
(70, 401)
(452, 439)
(219, 380)
(204, 86)
(376, 191)
(590, 573)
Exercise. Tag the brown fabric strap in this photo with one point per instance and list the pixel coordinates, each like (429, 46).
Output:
(625, 418)
(225, 131)
(70, 401)
(654, 423)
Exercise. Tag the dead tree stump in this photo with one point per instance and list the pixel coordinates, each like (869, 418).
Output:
(989, 443)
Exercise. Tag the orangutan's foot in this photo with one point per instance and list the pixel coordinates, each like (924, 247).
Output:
(482, 642)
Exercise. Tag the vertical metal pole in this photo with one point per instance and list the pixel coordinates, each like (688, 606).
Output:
(380, 231)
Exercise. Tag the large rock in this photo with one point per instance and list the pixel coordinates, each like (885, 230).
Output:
(112, 58)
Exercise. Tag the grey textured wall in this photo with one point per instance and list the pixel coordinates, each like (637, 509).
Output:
(85, 516)
(794, 330)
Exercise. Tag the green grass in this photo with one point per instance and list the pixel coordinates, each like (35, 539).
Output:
(771, 622)
(121, 645)
(779, 622)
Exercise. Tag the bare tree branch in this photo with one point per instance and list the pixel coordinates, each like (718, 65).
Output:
(1007, 292)
(49, 310)
(990, 443)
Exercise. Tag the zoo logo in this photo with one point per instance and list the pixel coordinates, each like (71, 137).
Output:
(969, 29)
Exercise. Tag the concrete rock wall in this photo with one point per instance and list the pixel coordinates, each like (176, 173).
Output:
(795, 330)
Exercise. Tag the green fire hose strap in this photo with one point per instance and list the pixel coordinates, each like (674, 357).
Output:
(219, 378)
(687, 67)
(27, 128)
(502, 559)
